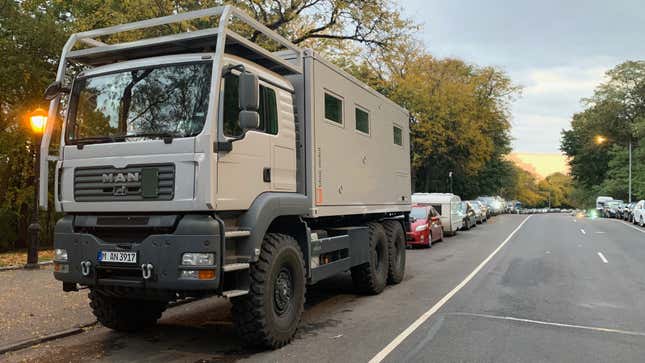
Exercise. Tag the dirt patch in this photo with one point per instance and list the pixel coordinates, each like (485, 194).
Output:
(19, 258)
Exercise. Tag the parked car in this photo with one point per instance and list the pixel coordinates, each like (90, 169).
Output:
(480, 213)
(627, 211)
(600, 204)
(610, 210)
(446, 204)
(425, 226)
(493, 204)
(469, 218)
(639, 213)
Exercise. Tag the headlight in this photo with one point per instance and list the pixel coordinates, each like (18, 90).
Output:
(60, 255)
(198, 259)
(421, 228)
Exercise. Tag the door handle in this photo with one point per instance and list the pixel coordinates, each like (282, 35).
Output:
(266, 175)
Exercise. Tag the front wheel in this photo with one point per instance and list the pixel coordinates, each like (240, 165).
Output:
(122, 314)
(269, 314)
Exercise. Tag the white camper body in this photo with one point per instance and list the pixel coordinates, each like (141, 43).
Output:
(447, 205)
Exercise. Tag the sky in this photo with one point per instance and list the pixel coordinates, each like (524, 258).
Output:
(558, 51)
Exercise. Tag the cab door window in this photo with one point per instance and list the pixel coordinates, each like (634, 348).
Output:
(268, 109)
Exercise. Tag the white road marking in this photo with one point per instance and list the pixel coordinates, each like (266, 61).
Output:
(548, 252)
(633, 226)
(583, 231)
(579, 245)
(599, 232)
(420, 320)
(563, 325)
(602, 257)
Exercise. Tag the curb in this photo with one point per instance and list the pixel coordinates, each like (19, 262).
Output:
(69, 332)
(22, 267)
(34, 341)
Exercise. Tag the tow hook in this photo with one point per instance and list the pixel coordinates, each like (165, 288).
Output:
(146, 271)
(86, 268)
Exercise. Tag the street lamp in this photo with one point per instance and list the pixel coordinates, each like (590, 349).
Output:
(37, 122)
(450, 176)
(599, 139)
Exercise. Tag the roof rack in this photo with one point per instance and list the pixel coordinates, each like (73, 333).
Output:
(210, 39)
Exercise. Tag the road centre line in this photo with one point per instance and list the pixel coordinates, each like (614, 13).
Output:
(549, 323)
(420, 320)
(602, 257)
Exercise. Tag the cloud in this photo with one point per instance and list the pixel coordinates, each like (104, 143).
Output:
(564, 80)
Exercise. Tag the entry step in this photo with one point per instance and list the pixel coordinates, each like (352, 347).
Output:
(236, 234)
(235, 266)
(234, 293)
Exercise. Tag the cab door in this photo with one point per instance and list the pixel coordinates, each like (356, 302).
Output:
(243, 173)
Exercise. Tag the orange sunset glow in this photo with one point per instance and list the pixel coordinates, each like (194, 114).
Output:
(541, 164)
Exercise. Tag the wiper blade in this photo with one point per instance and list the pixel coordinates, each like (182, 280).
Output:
(92, 140)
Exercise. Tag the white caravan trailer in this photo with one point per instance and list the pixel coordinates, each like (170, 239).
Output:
(447, 205)
(205, 162)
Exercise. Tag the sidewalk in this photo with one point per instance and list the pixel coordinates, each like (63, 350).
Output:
(33, 305)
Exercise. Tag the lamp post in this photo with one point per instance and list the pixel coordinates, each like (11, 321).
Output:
(37, 122)
(599, 140)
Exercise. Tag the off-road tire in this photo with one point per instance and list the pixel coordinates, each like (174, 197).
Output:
(396, 251)
(262, 317)
(127, 315)
(371, 277)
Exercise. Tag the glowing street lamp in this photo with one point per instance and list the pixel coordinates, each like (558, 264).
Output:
(37, 122)
(599, 139)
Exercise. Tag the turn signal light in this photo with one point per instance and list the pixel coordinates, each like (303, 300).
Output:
(206, 274)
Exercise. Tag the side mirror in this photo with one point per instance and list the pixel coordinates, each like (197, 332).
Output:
(249, 92)
(54, 90)
(249, 120)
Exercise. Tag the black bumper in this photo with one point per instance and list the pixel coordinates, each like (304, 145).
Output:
(190, 233)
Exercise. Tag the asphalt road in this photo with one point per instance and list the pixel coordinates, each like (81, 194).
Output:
(546, 295)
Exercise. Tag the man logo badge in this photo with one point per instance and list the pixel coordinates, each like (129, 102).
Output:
(121, 179)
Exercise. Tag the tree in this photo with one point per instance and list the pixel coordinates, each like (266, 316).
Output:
(617, 112)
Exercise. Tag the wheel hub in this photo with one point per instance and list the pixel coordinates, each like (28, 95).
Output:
(283, 291)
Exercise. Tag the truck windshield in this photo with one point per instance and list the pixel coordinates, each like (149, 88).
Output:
(168, 101)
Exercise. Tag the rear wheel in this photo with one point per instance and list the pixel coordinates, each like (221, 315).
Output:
(123, 314)
(269, 314)
(371, 277)
(396, 250)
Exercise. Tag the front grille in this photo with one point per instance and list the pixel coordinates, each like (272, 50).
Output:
(133, 183)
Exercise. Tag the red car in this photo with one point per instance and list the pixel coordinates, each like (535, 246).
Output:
(425, 226)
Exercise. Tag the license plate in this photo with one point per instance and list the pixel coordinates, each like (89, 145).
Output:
(117, 257)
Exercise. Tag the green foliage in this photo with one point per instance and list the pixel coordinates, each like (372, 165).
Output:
(617, 112)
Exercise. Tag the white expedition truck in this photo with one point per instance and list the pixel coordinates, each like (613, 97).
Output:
(204, 162)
